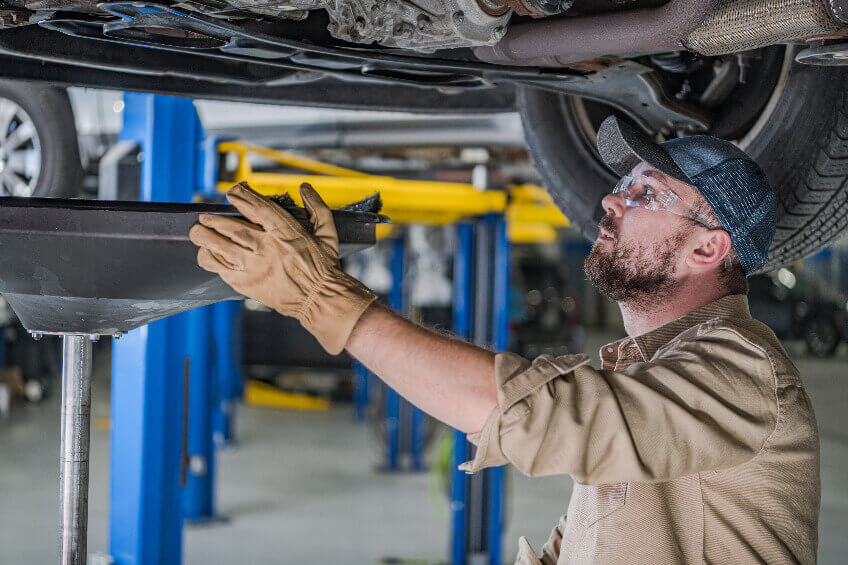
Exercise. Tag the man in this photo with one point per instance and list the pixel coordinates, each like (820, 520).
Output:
(695, 442)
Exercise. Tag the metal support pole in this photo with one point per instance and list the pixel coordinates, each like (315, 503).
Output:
(404, 423)
(360, 391)
(481, 312)
(199, 492)
(463, 313)
(147, 454)
(393, 401)
(500, 338)
(73, 458)
(227, 338)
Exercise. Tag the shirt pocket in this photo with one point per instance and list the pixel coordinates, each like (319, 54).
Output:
(591, 504)
(589, 512)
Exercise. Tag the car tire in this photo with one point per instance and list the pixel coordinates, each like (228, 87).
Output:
(60, 172)
(802, 146)
(822, 337)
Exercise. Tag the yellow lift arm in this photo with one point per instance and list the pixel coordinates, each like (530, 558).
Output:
(531, 214)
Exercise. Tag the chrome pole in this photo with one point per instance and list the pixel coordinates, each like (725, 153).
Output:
(73, 461)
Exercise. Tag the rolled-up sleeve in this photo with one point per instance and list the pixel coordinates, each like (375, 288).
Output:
(706, 403)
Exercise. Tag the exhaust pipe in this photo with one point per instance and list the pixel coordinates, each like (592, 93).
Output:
(707, 27)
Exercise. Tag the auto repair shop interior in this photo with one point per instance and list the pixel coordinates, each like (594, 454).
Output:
(220, 431)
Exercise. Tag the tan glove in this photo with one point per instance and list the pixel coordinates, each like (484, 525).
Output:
(273, 259)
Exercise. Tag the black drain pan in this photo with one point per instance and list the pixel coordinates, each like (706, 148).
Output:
(101, 267)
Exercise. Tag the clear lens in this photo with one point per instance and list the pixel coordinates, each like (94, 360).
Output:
(646, 192)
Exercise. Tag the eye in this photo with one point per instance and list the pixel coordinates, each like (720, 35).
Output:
(650, 196)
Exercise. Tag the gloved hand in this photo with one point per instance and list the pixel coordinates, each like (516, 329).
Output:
(272, 258)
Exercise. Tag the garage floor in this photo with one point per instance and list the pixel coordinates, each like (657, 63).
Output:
(301, 488)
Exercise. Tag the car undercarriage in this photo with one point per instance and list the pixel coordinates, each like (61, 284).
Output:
(678, 67)
(458, 47)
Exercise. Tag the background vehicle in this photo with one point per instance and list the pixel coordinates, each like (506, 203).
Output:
(738, 69)
(797, 306)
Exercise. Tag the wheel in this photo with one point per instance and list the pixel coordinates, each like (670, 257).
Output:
(821, 337)
(39, 155)
(791, 118)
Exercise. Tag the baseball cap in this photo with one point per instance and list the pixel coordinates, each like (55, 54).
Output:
(729, 180)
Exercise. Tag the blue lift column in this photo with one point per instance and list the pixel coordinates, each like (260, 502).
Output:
(463, 318)
(198, 473)
(404, 423)
(229, 381)
(361, 380)
(226, 318)
(481, 313)
(152, 365)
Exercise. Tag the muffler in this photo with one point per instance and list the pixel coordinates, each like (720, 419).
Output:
(742, 25)
(707, 27)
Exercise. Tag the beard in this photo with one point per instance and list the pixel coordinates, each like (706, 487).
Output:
(633, 272)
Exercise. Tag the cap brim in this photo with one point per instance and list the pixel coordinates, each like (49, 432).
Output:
(622, 147)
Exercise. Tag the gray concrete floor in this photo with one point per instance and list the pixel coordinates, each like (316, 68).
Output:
(301, 488)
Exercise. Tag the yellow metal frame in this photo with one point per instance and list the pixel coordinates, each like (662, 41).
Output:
(261, 394)
(531, 214)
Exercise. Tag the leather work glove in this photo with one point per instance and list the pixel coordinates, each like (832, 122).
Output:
(272, 258)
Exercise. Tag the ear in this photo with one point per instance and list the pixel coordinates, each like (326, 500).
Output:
(711, 247)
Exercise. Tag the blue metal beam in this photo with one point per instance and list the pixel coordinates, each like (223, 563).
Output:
(198, 496)
(145, 518)
(500, 338)
(229, 380)
(481, 312)
(145, 521)
(393, 400)
(361, 379)
(463, 312)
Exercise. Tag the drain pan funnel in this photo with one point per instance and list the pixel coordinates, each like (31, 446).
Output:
(99, 267)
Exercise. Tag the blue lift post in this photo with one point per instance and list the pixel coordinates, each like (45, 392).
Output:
(500, 337)
(228, 378)
(463, 313)
(226, 317)
(149, 460)
(361, 379)
(393, 400)
(199, 463)
(481, 312)
(404, 423)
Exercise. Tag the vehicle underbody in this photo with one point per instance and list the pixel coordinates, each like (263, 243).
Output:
(729, 68)
(443, 53)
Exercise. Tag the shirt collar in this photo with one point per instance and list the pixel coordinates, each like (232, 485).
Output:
(642, 348)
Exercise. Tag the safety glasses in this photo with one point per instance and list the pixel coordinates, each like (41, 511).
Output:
(646, 192)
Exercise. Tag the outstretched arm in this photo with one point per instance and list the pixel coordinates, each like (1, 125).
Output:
(271, 258)
(451, 380)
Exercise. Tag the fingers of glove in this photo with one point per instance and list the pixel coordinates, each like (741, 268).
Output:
(262, 211)
(208, 261)
(320, 217)
(242, 232)
(230, 252)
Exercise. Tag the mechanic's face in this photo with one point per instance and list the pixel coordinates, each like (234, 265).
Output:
(638, 253)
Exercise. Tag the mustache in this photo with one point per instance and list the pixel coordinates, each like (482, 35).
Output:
(608, 225)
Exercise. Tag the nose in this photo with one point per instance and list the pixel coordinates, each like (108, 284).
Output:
(614, 205)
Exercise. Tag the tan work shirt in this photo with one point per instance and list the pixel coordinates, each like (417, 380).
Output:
(695, 443)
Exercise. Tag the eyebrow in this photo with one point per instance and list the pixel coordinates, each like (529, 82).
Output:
(655, 174)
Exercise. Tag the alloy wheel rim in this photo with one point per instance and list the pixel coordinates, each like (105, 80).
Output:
(20, 151)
